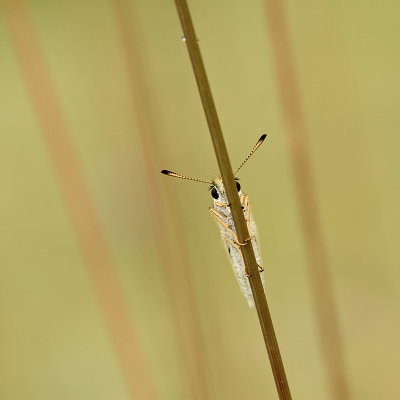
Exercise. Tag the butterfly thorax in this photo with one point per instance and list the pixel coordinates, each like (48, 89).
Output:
(221, 204)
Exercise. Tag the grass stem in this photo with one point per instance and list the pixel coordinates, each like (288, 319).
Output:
(233, 198)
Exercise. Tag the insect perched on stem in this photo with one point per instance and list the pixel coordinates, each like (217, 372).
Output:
(221, 212)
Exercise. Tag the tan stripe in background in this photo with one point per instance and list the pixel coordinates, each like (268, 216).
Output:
(318, 262)
(171, 253)
(78, 201)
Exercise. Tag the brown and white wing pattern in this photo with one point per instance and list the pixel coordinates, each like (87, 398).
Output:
(222, 214)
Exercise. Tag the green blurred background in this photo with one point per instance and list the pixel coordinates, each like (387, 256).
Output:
(114, 283)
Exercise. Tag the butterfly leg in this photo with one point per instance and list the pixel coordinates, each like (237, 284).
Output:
(222, 221)
(234, 244)
(245, 200)
(246, 206)
(260, 268)
(245, 242)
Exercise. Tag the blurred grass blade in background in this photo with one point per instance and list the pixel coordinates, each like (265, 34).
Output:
(319, 274)
(78, 201)
(170, 253)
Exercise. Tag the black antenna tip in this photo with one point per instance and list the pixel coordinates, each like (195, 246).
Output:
(165, 172)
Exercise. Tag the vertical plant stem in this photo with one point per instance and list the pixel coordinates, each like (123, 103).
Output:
(317, 256)
(233, 198)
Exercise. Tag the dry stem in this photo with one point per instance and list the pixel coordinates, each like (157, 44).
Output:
(233, 198)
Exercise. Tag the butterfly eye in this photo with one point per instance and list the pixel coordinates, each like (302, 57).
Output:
(238, 186)
(214, 193)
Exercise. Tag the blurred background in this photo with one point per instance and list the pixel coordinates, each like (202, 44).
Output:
(114, 283)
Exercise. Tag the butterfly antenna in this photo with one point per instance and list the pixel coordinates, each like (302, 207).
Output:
(174, 174)
(258, 144)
